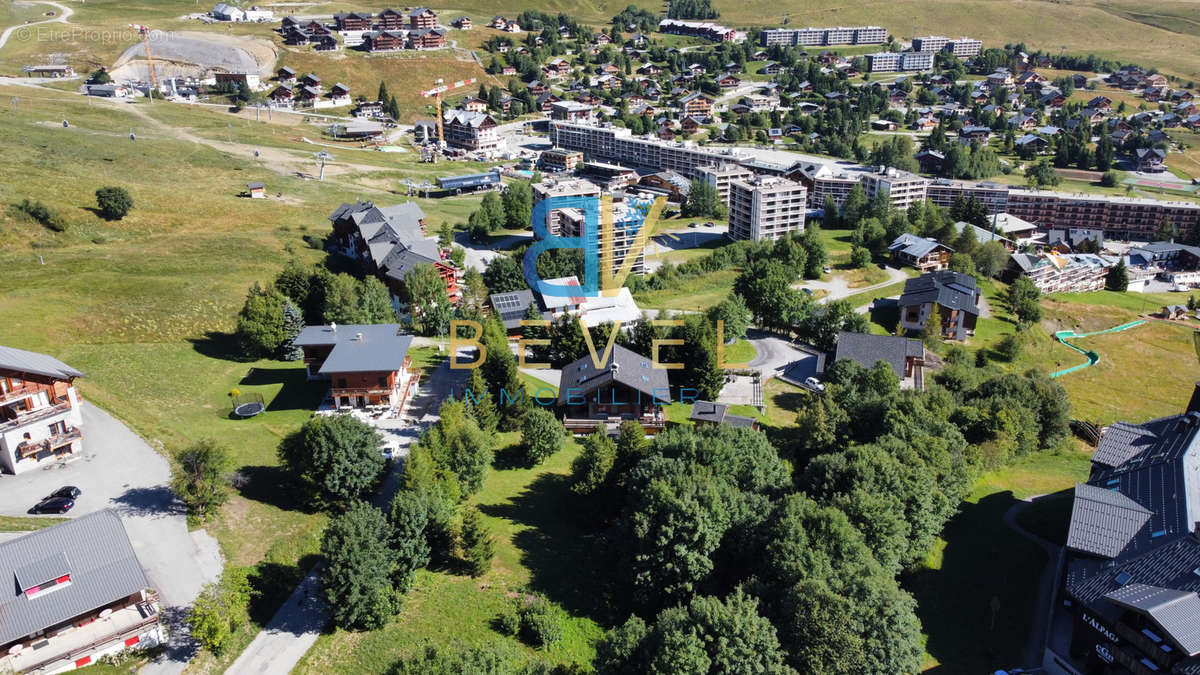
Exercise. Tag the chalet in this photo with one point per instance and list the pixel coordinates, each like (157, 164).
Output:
(1022, 122)
(308, 94)
(625, 386)
(941, 303)
(558, 160)
(708, 413)
(499, 22)
(906, 356)
(339, 94)
(923, 254)
(311, 80)
(508, 70)
(384, 41)
(570, 111)
(462, 23)
(427, 38)
(366, 365)
(352, 21)
(537, 87)
(75, 593)
(930, 161)
(771, 68)
(608, 69)
(513, 27)
(601, 38)
(1061, 272)
(1151, 159)
(639, 41)
(285, 74)
(925, 124)
(975, 133)
(1100, 103)
(545, 101)
(1032, 143)
(474, 104)
(883, 125)
(728, 81)
(470, 130)
(1000, 78)
(689, 125)
(390, 19)
(422, 18)
(282, 95)
(39, 411)
(675, 186)
(696, 103)
(760, 55)
(389, 242)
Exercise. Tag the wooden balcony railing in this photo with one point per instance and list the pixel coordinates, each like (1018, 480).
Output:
(26, 389)
(36, 415)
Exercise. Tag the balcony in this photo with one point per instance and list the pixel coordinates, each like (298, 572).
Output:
(75, 642)
(37, 415)
(23, 391)
(33, 448)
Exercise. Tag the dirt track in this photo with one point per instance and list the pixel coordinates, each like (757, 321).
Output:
(191, 53)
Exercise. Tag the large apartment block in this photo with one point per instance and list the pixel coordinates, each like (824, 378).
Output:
(890, 62)
(619, 144)
(470, 130)
(39, 411)
(964, 47)
(572, 221)
(817, 37)
(930, 43)
(722, 175)
(766, 207)
(901, 187)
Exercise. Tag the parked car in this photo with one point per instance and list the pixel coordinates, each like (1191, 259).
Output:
(53, 505)
(814, 384)
(825, 269)
(66, 492)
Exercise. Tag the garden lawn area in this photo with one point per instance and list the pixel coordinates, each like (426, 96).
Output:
(539, 547)
(975, 590)
(867, 297)
(741, 351)
(699, 294)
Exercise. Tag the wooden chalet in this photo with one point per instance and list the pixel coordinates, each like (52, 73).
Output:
(39, 411)
(366, 365)
(353, 21)
(626, 386)
(422, 18)
(390, 19)
(384, 41)
(427, 38)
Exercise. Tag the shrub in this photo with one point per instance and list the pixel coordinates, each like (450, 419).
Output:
(1109, 179)
(41, 214)
(508, 623)
(540, 623)
(114, 202)
(1009, 348)
(860, 257)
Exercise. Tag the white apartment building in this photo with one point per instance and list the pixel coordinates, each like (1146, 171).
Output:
(720, 176)
(815, 37)
(901, 187)
(766, 207)
(929, 43)
(965, 47)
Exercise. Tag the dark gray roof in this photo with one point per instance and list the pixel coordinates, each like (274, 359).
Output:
(1121, 442)
(93, 549)
(1103, 522)
(952, 290)
(381, 347)
(1177, 613)
(632, 370)
(512, 306)
(718, 413)
(914, 246)
(34, 363)
(870, 349)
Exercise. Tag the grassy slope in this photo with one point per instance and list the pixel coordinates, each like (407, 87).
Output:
(538, 548)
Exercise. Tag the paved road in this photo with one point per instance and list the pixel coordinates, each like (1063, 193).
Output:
(775, 354)
(119, 470)
(299, 622)
(64, 14)
(479, 254)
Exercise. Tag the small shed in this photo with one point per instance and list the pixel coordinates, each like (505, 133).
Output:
(1175, 312)
(257, 190)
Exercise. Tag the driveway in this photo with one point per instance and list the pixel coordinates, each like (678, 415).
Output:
(479, 254)
(299, 622)
(64, 14)
(119, 470)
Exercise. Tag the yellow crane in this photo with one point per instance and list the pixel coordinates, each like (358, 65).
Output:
(144, 31)
(436, 93)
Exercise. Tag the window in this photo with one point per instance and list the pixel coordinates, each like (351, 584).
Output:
(57, 428)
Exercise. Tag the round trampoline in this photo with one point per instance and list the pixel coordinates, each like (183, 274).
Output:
(248, 405)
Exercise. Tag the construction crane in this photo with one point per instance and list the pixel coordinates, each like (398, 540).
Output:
(436, 93)
(145, 33)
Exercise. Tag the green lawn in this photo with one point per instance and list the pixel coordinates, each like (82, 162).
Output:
(539, 547)
(740, 352)
(698, 293)
(21, 524)
(975, 591)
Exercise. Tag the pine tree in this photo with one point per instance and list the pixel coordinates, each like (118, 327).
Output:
(293, 323)
(477, 544)
(479, 401)
(383, 93)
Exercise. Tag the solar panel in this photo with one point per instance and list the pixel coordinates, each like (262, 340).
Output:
(1123, 578)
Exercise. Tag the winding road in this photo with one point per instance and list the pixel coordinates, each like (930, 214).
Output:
(64, 14)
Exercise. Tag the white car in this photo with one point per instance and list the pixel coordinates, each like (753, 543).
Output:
(814, 384)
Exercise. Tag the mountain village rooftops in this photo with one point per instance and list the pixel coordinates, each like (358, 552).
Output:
(358, 348)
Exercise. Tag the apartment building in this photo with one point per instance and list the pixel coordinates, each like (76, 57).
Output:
(39, 411)
(815, 37)
(619, 144)
(965, 47)
(766, 207)
(943, 192)
(572, 221)
(930, 43)
(721, 176)
(1062, 273)
(1119, 217)
(901, 187)
(890, 62)
(470, 130)
(560, 160)
(916, 61)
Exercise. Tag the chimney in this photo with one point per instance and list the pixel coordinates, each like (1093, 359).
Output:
(358, 337)
(333, 326)
(1194, 404)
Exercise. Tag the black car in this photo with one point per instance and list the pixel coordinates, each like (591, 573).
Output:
(66, 492)
(53, 505)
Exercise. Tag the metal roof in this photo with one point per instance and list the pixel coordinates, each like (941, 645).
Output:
(358, 348)
(95, 551)
(1121, 442)
(469, 180)
(1103, 522)
(951, 290)
(632, 370)
(914, 246)
(34, 363)
(1177, 613)
(718, 413)
(870, 349)
(512, 306)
